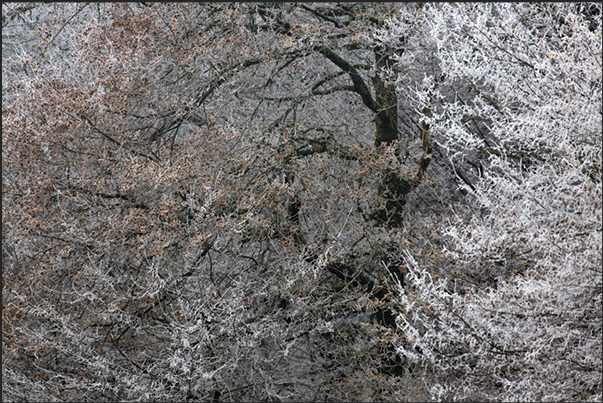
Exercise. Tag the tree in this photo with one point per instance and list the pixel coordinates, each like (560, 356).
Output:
(284, 201)
(198, 205)
(517, 317)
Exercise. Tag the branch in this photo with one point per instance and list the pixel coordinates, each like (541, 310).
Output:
(334, 89)
(150, 156)
(360, 86)
(64, 25)
(109, 196)
(228, 73)
(15, 12)
(321, 145)
(347, 273)
(321, 16)
(427, 151)
(283, 27)
(327, 78)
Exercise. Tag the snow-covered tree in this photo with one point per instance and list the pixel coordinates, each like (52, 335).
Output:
(202, 202)
(277, 201)
(516, 105)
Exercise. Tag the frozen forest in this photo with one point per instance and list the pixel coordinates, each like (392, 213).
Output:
(301, 202)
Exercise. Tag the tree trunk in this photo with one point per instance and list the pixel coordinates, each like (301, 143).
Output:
(386, 132)
(386, 120)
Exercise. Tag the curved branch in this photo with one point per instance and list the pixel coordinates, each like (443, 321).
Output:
(360, 86)
(216, 83)
(321, 16)
(334, 89)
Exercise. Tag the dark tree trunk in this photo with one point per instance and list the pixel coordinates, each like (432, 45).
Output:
(395, 188)
(386, 120)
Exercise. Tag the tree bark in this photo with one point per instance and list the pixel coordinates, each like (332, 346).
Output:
(386, 133)
(386, 120)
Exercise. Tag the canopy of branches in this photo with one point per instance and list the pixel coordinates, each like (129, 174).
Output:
(301, 201)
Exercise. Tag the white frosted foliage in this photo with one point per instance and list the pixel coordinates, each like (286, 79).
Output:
(521, 85)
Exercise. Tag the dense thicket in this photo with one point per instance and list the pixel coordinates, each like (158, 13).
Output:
(342, 201)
